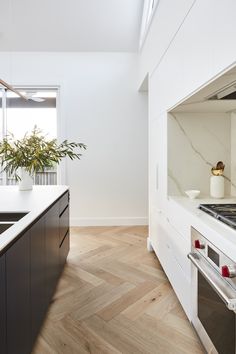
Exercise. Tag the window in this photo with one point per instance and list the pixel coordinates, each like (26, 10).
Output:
(19, 116)
(148, 11)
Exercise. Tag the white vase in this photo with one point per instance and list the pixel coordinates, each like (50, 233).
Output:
(217, 187)
(26, 181)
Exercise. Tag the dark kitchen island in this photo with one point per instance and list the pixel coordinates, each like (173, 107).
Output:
(33, 251)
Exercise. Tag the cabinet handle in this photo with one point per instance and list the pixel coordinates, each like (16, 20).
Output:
(64, 210)
(64, 238)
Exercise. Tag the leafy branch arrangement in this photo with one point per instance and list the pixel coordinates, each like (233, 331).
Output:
(34, 152)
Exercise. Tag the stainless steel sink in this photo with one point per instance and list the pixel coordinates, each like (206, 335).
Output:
(4, 227)
(7, 219)
(8, 216)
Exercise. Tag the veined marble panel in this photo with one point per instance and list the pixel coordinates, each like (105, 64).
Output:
(196, 142)
(233, 154)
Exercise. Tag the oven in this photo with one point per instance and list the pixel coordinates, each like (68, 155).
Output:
(213, 296)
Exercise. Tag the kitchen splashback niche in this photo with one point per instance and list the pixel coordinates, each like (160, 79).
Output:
(196, 141)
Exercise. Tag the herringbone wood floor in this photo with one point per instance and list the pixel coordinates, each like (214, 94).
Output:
(114, 297)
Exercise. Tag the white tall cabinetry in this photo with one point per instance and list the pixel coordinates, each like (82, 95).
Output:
(169, 244)
(188, 44)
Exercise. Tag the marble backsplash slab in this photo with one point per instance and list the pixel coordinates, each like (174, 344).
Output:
(196, 142)
(233, 154)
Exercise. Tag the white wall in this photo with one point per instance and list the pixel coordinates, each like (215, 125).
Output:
(100, 106)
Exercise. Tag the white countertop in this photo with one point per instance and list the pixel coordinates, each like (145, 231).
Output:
(221, 235)
(35, 202)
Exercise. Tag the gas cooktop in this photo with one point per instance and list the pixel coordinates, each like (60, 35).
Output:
(223, 212)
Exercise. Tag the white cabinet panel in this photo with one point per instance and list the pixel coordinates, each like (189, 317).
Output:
(158, 162)
(174, 262)
(179, 245)
(180, 219)
(165, 24)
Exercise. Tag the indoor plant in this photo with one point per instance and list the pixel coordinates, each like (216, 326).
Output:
(33, 153)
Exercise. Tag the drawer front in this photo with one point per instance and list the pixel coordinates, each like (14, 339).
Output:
(64, 249)
(180, 248)
(167, 255)
(63, 224)
(18, 323)
(181, 285)
(3, 304)
(179, 245)
(63, 202)
(181, 218)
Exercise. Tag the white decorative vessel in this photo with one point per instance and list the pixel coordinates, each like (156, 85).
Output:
(26, 181)
(192, 193)
(217, 187)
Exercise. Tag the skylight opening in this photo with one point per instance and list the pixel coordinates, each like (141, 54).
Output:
(148, 12)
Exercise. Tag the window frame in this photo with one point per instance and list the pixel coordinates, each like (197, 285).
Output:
(59, 170)
(149, 9)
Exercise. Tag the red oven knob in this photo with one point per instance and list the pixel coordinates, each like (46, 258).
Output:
(228, 271)
(198, 244)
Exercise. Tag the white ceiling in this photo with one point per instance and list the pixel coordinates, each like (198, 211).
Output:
(70, 25)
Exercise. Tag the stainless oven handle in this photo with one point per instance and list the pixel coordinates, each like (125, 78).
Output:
(222, 288)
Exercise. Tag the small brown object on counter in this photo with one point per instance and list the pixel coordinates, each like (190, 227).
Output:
(219, 169)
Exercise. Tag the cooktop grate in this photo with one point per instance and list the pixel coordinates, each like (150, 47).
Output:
(223, 212)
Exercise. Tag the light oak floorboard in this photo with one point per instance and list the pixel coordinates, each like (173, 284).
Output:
(114, 298)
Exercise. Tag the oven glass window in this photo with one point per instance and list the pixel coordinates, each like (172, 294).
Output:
(216, 318)
(213, 256)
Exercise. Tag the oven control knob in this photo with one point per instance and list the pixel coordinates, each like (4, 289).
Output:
(228, 271)
(198, 244)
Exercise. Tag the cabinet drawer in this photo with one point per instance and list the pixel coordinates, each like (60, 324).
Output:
(64, 249)
(181, 218)
(52, 249)
(173, 269)
(63, 202)
(181, 285)
(63, 224)
(2, 305)
(180, 248)
(18, 296)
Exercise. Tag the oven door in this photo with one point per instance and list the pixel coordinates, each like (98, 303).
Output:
(214, 306)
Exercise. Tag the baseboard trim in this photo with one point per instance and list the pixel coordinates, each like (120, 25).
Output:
(109, 221)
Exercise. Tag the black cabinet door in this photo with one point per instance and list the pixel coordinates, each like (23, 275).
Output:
(64, 232)
(52, 249)
(18, 296)
(63, 202)
(64, 224)
(64, 249)
(37, 276)
(3, 349)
